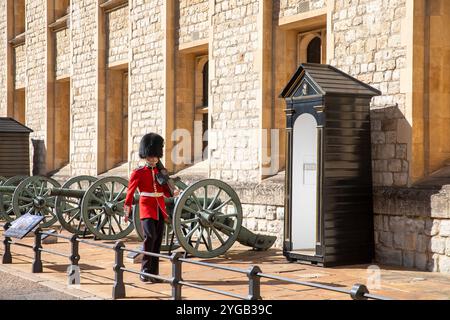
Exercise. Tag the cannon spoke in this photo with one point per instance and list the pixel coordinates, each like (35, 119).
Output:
(191, 232)
(188, 221)
(25, 206)
(224, 226)
(74, 217)
(208, 242)
(42, 189)
(70, 210)
(197, 244)
(111, 194)
(217, 234)
(118, 224)
(95, 217)
(214, 199)
(120, 193)
(189, 209)
(95, 208)
(196, 201)
(223, 205)
(205, 196)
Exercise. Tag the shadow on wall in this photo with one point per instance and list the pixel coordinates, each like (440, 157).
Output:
(39, 152)
(411, 224)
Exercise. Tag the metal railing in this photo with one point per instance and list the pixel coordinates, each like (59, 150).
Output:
(253, 273)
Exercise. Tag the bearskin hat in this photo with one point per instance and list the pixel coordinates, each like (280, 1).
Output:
(152, 145)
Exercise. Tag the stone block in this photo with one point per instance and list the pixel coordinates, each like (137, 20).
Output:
(271, 213)
(422, 243)
(397, 224)
(280, 213)
(437, 245)
(444, 264)
(432, 227)
(433, 262)
(440, 205)
(444, 230)
(262, 224)
(421, 261)
(385, 238)
(409, 241)
(408, 259)
(388, 256)
(398, 240)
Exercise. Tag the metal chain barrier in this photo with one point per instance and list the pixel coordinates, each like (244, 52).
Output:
(253, 273)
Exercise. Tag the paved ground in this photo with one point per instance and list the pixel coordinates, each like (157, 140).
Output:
(16, 288)
(97, 276)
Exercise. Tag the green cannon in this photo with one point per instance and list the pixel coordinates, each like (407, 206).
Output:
(206, 216)
(7, 188)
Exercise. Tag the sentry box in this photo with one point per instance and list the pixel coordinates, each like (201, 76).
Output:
(328, 202)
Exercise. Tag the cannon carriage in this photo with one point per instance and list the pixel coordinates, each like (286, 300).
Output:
(206, 218)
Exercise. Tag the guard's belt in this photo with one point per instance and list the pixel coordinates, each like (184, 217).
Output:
(152, 194)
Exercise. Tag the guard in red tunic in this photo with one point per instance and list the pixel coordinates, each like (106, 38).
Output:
(152, 208)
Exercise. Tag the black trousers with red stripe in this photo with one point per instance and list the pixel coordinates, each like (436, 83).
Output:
(153, 231)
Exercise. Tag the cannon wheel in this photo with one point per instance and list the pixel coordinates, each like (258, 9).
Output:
(6, 208)
(32, 196)
(68, 209)
(167, 236)
(2, 179)
(205, 227)
(102, 209)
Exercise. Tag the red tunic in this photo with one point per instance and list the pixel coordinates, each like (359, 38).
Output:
(142, 179)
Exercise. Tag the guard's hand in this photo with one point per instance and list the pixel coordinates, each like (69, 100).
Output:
(176, 193)
(127, 210)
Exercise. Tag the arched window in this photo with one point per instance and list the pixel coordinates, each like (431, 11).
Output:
(311, 47)
(314, 51)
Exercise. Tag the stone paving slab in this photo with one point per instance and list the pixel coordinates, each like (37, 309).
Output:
(97, 276)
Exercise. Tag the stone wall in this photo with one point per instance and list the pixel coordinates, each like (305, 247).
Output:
(20, 67)
(63, 53)
(194, 23)
(3, 65)
(146, 71)
(367, 45)
(84, 93)
(36, 53)
(235, 85)
(117, 22)
(412, 228)
(293, 7)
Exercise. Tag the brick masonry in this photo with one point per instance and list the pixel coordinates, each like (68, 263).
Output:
(368, 46)
(20, 67)
(146, 71)
(63, 53)
(118, 35)
(36, 52)
(234, 88)
(3, 65)
(412, 227)
(293, 7)
(84, 94)
(194, 24)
